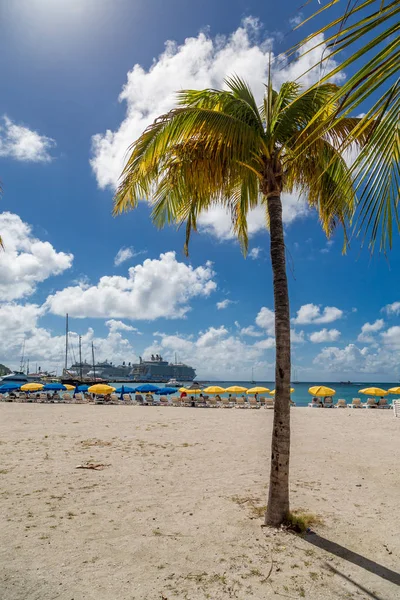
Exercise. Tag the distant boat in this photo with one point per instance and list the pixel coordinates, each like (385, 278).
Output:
(346, 382)
(252, 375)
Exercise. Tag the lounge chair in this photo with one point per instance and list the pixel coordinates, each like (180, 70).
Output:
(114, 398)
(328, 402)
(240, 403)
(341, 403)
(315, 403)
(212, 403)
(225, 403)
(176, 401)
(371, 403)
(396, 408)
(127, 398)
(253, 403)
(269, 403)
(383, 403)
(262, 400)
(164, 401)
(356, 403)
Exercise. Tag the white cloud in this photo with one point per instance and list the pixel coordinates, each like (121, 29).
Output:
(325, 335)
(382, 362)
(22, 143)
(369, 328)
(266, 320)
(124, 254)
(202, 62)
(391, 337)
(114, 325)
(251, 331)
(311, 314)
(157, 288)
(26, 261)
(216, 354)
(20, 324)
(328, 247)
(392, 309)
(224, 304)
(217, 220)
(297, 337)
(254, 253)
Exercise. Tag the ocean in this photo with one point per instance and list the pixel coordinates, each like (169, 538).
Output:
(301, 395)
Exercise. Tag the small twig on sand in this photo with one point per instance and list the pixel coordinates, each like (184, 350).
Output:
(93, 466)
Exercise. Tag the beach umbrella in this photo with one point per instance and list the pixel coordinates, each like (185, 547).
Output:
(124, 389)
(9, 387)
(272, 392)
(236, 389)
(82, 388)
(214, 389)
(258, 390)
(373, 391)
(55, 387)
(321, 391)
(101, 389)
(191, 391)
(395, 390)
(69, 387)
(146, 388)
(166, 391)
(32, 387)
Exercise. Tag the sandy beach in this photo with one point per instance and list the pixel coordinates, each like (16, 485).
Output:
(177, 510)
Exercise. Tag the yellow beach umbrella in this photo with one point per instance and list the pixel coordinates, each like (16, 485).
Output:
(31, 387)
(395, 390)
(182, 389)
(214, 389)
(272, 393)
(101, 389)
(321, 390)
(236, 389)
(69, 387)
(258, 390)
(190, 392)
(373, 391)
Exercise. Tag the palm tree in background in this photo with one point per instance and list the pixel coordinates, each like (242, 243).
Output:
(367, 35)
(218, 147)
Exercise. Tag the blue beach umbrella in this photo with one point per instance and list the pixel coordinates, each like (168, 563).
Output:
(82, 388)
(125, 390)
(55, 387)
(166, 391)
(9, 387)
(147, 387)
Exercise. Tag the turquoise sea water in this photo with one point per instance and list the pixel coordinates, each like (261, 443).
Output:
(301, 395)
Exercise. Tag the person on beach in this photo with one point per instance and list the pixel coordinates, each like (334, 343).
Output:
(183, 394)
(192, 402)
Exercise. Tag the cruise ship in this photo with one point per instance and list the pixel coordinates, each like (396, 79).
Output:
(158, 370)
(105, 371)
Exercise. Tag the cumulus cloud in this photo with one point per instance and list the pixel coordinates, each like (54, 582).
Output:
(157, 288)
(325, 335)
(21, 324)
(391, 337)
(23, 144)
(392, 309)
(202, 62)
(224, 304)
(26, 261)
(266, 320)
(251, 331)
(309, 314)
(114, 325)
(216, 354)
(124, 254)
(297, 337)
(381, 362)
(254, 253)
(369, 328)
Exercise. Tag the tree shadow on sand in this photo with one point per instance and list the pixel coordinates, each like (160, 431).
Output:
(356, 559)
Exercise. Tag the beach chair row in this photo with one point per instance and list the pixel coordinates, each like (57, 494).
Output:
(355, 403)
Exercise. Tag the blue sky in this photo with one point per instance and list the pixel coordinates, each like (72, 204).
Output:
(81, 79)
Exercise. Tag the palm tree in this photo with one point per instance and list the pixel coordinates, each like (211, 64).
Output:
(220, 147)
(371, 28)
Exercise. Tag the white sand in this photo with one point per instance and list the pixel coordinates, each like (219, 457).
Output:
(173, 515)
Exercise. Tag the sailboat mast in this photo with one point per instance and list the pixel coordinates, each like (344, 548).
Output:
(22, 356)
(94, 366)
(66, 345)
(80, 357)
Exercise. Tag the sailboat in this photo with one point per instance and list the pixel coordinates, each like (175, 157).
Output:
(252, 375)
(71, 377)
(295, 380)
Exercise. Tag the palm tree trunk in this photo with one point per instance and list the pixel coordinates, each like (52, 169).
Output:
(278, 500)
